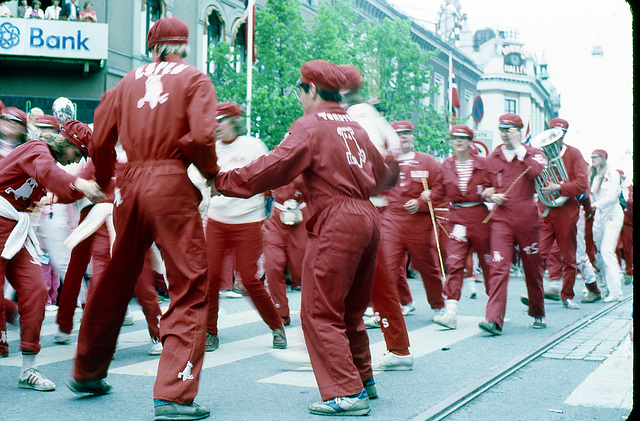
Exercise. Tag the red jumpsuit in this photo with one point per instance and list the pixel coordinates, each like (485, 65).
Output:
(284, 245)
(515, 222)
(341, 169)
(406, 233)
(26, 172)
(560, 223)
(625, 243)
(164, 115)
(466, 215)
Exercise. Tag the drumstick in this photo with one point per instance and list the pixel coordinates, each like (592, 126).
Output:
(425, 184)
(505, 194)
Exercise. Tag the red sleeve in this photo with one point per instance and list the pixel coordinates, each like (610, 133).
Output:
(577, 171)
(105, 137)
(44, 169)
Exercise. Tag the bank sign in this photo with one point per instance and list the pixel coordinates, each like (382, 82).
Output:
(54, 38)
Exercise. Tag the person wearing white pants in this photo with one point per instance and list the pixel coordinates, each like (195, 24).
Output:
(605, 190)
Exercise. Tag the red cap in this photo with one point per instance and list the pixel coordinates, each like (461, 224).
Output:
(558, 122)
(510, 120)
(323, 74)
(228, 109)
(402, 126)
(47, 121)
(600, 152)
(168, 30)
(77, 133)
(461, 130)
(15, 114)
(353, 75)
(621, 173)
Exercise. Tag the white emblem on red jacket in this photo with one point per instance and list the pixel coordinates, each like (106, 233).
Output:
(24, 191)
(186, 374)
(347, 134)
(153, 92)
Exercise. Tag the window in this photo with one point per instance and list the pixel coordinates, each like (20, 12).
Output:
(214, 28)
(240, 45)
(510, 106)
(439, 97)
(152, 12)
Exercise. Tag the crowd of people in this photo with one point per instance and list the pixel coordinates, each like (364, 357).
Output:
(351, 204)
(68, 11)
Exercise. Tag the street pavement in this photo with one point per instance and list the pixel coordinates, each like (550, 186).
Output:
(585, 376)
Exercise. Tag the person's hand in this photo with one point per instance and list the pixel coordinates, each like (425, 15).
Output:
(412, 206)
(89, 188)
(425, 195)
(552, 188)
(498, 198)
(212, 186)
(486, 193)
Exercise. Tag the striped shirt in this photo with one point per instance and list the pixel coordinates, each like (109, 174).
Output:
(464, 170)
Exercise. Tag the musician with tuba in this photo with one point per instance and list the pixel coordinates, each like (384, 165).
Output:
(564, 178)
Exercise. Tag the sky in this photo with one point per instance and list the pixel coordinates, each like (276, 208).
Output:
(596, 92)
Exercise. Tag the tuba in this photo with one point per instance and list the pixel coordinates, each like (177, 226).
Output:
(555, 171)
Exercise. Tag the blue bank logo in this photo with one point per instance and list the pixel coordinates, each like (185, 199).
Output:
(9, 35)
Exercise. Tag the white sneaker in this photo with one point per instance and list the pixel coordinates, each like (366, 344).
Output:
(369, 312)
(227, 293)
(296, 355)
(408, 308)
(51, 307)
(62, 338)
(156, 347)
(611, 299)
(128, 318)
(570, 304)
(437, 312)
(392, 362)
(32, 378)
(447, 319)
(372, 322)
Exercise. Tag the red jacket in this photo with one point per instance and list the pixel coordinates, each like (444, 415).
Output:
(578, 172)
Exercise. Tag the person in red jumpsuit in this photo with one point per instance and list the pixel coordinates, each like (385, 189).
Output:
(625, 241)
(463, 178)
(164, 115)
(284, 242)
(27, 172)
(559, 224)
(341, 169)
(406, 224)
(513, 166)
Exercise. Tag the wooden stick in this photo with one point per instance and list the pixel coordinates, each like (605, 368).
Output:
(425, 184)
(505, 194)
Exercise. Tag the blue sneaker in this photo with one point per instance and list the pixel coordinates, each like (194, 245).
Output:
(344, 406)
(370, 387)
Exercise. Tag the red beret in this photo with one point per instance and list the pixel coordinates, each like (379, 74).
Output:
(510, 120)
(77, 133)
(48, 121)
(168, 30)
(323, 74)
(558, 122)
(353, 75)
(402, 126)
(600, 152)
(621, 173)
(461, 130)
(15, 114)
(228, 109)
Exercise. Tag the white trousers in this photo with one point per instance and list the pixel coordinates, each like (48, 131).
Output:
(606, 230)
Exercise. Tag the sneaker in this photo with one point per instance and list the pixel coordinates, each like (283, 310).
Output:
(62, 338)
(449, 319)
(491, 327)
(628, 279)
(227, 293)
(286, 320)
(437, 312)
(369, 312)
(296, 288)
(279, 339)
(51, 307)
(524, 300)
(128, 318)
(156, 347)
(591, 297)
(552, 294)
(370, 387)
(611, 299)
(392, 362)
(346, 405)
(32, 378)
(539, 323)
(175, 411)
(372, 322)
(212, 343)
(408, 308)
(240, 289)
(4, 352)
(570, 304)
(296, 355)
(93, 387)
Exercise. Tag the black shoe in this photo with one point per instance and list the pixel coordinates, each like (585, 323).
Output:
(93, 387)
(491, 327)
(539, 323)
(175, 411)
(524, 300)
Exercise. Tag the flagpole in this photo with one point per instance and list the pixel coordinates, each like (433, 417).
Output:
(250, 25)
(450, 90)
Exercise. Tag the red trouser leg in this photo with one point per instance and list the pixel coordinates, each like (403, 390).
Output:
(78, 262)
(554, 262)
(588, 239)
(157, 200)
(384, 297)
(627, 248)
(424, 258)
(561, 225)
(336, 288)
(404, 292)
(275, 264)
(296, 247)
(456, 262)
(147, 297)
(527, 239)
